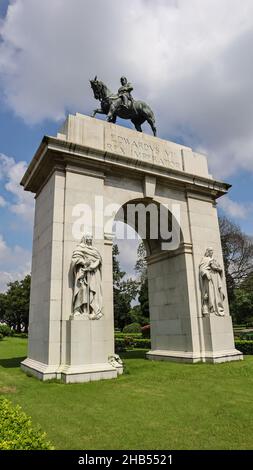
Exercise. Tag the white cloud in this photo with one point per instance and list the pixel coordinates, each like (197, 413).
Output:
(234, 209)
(190, 59)
(128, 241)
(15, 263)
(20, 202)
(2, 202)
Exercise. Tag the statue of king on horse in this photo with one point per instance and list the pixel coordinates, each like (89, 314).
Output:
(122, 104)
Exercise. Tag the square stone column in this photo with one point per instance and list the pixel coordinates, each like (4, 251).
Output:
(60, 345)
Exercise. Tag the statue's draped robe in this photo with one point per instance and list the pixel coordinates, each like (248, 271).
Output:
(87, 290)
(211, 289)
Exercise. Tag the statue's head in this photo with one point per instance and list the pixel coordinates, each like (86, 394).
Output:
(123, 81)
(209, 252)
(87, 239)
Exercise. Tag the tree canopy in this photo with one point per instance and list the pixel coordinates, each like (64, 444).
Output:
(14, 304)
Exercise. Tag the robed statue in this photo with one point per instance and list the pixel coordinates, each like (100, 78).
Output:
(211, 276)
(86, 267)
(122, 104)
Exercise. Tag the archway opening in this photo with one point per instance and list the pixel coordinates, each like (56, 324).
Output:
(146, 234)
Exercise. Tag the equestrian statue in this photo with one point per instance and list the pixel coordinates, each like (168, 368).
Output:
(122, 104)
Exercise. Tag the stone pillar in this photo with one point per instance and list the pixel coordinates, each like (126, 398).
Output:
(216, 332)
(60, 345)
(172, 300)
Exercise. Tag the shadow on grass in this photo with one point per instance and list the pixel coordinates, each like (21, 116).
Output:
(11, 362)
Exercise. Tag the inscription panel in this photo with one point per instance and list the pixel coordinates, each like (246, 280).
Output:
(143, 148)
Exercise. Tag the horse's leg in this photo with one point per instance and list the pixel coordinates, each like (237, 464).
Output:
(137, 126)
(97, 111)
(111, 116)
(112, 113)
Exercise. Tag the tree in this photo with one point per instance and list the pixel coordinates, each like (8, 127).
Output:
(141, 269)
(242, 306)
(14, 304)
(247, 284)
(124, 291)
(141, 263)
(237, 250)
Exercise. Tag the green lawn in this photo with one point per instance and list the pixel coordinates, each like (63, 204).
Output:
(154, 405)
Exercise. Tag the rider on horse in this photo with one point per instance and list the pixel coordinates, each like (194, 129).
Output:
(125, 92)
(122, 104)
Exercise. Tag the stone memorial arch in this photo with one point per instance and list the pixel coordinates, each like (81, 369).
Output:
(90, 174)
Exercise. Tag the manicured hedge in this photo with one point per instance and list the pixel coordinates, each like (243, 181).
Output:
(246, 347)
(130, 335)
(130, 342)
(248, 336)
(143, 343)
(17, 432)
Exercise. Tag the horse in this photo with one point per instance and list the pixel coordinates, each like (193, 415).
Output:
(113, 107)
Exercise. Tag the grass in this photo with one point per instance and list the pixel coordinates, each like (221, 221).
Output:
(154, 405)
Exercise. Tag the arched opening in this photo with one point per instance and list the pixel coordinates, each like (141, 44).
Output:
(159, 230)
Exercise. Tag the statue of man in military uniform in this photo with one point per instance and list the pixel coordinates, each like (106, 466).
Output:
(125, 92)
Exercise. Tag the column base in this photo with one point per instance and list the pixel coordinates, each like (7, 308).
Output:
(222, 356)
(190, 357)
(176, 356)
(70, 374)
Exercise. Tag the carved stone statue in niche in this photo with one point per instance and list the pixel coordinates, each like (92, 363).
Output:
(211, 274)
(86, 267)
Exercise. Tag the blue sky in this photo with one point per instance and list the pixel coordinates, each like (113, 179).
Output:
(194, 68)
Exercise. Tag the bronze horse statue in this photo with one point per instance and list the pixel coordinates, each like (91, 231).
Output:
(113, 107)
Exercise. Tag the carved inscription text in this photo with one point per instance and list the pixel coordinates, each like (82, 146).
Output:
(154, 153)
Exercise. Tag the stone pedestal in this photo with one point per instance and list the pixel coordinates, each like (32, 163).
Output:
(102, 166)
(86, 352)
(219, 340)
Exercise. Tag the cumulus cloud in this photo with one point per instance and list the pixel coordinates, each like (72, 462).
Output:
(20, 201)
(15, 263)
(191, 60)
(234, 209)
(3, 202)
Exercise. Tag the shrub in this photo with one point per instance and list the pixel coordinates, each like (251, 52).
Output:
(121, 344)
(21, 335)
(128, 342)
(17, 432)
(1, 336)
(132, 335)
(247, 336)
(132, 328)
(246, 347)
(146, 331)
(142, 343)
(5, 330)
